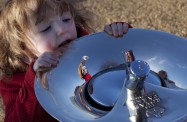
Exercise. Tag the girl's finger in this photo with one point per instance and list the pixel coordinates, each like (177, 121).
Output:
(125, 28)
(43, 63)
(52, 62)
(114, 29)
(120, 29)
(108, 29)
(50, 56)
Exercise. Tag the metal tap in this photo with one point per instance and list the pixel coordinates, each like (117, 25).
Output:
(136, 72)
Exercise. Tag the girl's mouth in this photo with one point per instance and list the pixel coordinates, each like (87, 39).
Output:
(65, 43)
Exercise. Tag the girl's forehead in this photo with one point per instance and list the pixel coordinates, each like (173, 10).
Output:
(41, 12)
(53, 15)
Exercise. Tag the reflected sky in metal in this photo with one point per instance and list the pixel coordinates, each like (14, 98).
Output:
(162, 51)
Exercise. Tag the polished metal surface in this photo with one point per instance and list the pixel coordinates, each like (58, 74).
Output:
(136, 73)
(103, 98)
(139, 68)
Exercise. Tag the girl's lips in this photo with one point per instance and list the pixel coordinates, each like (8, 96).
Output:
(65, 43)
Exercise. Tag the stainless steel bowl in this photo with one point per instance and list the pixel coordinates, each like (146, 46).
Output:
(102, 98)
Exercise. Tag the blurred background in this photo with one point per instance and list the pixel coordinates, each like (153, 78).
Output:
(164, 15)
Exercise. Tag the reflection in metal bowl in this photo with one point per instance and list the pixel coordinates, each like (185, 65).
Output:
(78, 97)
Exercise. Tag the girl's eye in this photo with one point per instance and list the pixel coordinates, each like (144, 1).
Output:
(66, 20)
(46, 29)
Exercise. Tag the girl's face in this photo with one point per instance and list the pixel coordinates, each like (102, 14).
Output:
(51, 33)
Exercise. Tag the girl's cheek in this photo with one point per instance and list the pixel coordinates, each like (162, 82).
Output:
(44, 47)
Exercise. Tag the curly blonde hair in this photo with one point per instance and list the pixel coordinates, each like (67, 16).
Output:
(15, 22)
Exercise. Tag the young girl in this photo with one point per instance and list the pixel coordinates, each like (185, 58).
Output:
(30, 32)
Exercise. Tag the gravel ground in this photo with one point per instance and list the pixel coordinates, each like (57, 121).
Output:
(165, 15)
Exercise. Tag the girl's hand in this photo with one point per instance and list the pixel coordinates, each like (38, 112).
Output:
(44, 63)
(117, 29)
(46, 60)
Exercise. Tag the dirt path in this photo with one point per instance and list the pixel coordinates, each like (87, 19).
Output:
(165, 15)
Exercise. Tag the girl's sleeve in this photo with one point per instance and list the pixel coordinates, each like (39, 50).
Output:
(21, 102)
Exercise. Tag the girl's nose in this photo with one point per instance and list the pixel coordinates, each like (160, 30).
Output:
(59, 28)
